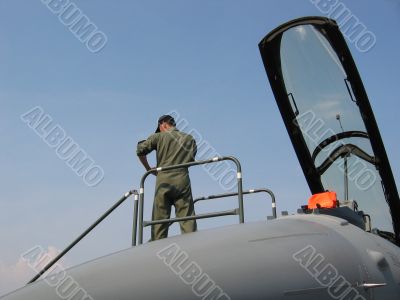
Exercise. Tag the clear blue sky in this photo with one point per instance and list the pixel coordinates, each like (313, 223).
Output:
(198, 58)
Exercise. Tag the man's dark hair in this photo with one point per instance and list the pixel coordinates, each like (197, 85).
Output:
(165, 118)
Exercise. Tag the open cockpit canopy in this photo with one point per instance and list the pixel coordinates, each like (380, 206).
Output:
(329, 118)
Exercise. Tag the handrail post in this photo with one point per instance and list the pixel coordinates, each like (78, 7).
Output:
(141, 205)
(240, 187)
(273, 202)
(135, 218)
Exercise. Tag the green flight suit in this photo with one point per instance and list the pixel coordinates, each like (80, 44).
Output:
(172, 187)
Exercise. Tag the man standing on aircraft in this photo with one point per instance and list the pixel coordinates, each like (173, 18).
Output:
(172, 187)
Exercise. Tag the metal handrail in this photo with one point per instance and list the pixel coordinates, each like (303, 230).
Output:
(135, 214)
(78, 239)
(186, 165)
(251, 191)
(194, 217)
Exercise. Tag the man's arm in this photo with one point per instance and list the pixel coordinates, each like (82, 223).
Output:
(144, 148)
(145, 163)
(194, 149)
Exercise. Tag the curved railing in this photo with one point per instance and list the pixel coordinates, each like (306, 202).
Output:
(252, 191)
(142, 223)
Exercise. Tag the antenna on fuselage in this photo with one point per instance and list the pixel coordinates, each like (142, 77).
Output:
(340, 122)
(346, 177)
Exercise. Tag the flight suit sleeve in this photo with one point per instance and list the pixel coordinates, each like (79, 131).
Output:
(194, 149)
(146, 146)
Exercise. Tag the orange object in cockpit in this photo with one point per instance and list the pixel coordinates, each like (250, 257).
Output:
(323, 200)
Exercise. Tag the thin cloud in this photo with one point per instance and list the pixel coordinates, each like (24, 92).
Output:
(17, 275)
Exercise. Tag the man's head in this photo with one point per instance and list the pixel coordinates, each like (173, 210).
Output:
(165, 122)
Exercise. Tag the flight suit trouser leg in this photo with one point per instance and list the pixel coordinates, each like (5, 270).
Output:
(184, 207)
(161, 210)
(172, 189)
